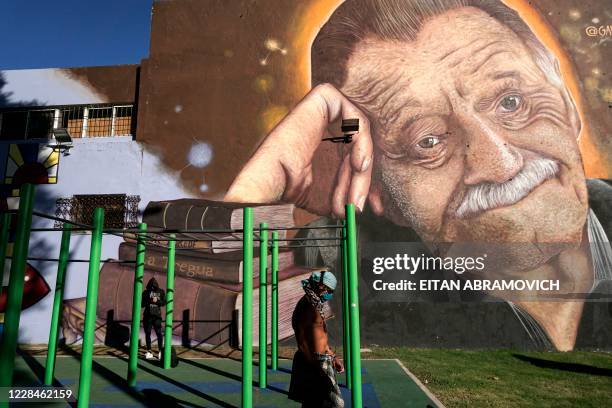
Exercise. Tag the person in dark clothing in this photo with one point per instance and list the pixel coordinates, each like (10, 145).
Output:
(153, 299)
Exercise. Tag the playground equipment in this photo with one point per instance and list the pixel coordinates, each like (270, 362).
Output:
(350, 301)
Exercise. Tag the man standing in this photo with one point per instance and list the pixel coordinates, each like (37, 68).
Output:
(313, 376)
(153, 298)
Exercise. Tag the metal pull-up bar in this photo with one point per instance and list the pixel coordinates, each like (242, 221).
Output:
(17, 275)
(14, 296)
(247, 310)
(350, 307)
(91, 304)
(169, 303)
(136, 305)
(57, 304)
(263, 305)
(353, 295)
(274, 306)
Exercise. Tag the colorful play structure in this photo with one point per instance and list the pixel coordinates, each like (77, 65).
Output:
(8, 347)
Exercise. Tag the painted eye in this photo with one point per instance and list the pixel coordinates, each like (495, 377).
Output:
(510, 103)
(428, 142)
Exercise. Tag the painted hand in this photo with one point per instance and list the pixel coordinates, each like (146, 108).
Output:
(292, 165)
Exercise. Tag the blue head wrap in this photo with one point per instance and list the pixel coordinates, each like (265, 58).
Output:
(325, 277)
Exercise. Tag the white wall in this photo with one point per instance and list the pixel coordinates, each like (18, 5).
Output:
(94, 166)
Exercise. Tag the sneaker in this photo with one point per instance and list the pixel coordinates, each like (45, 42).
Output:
(149, 355)
(159, 355)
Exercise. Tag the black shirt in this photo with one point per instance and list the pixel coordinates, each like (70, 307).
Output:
(152, 309)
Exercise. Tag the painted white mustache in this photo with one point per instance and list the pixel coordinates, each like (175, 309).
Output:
(486, 196)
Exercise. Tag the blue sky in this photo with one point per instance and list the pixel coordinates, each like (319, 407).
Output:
(73, 33)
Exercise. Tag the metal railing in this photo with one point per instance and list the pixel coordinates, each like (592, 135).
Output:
(99, 120)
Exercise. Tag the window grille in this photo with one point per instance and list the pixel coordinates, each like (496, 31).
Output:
(102, 120)
(120, 210)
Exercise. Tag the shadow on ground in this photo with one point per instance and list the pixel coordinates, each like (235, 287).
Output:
(563, 366)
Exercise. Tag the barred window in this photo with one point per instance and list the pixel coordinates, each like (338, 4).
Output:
(120, 210)
(100, 120)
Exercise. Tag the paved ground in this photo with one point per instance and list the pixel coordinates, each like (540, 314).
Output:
(210, 383)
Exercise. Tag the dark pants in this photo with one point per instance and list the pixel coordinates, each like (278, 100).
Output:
(314, 383)
(153, 323)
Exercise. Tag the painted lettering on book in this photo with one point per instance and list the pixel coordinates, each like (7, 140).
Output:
(186, 268)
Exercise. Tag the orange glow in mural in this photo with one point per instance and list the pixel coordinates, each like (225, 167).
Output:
(311, 17)
(592, 159)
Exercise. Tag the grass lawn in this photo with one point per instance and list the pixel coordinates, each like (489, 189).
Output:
(505, 378)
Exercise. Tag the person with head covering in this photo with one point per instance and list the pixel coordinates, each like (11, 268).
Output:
(313, 376)
(153, 298)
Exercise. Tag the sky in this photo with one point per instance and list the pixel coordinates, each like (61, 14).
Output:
(73, 33)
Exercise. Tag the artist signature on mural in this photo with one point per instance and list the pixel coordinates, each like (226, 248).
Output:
(599, 31)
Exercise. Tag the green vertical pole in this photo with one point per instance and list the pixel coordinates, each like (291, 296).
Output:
(351, 232)
(169, 302)
(274, 314)
(247, 310)
(57, 303)
(15, 288)
(4, 236)
(136, 303)
(346, 320)
(263, 304)
(91, 303)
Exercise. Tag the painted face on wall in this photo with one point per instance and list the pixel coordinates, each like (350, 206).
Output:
(473, 141)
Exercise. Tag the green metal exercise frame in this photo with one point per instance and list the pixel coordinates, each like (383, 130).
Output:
(247, 310)
(136, 304)
(353, 292)
(57, 304)
(350, 301)
(14, 297)
(263, 304)
(274, 301)
(169, 302)
(91, 304)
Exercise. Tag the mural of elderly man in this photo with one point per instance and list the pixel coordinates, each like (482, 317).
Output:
(468, 135)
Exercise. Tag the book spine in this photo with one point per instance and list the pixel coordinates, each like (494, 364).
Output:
(186, 266)
(181, 215)
(209, 309)
(159, 241)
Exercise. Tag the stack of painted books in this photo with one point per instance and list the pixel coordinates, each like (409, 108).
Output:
(208, 269)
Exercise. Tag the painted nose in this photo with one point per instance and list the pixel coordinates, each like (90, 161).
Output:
(490, 158)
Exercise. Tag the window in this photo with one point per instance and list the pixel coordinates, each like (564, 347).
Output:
(120, 210)
(99, 122)
(123, 120)
(79, 120)
(72, 119)
(23, 124)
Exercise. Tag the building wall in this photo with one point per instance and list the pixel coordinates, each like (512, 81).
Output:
(220, 76)
(96, 165)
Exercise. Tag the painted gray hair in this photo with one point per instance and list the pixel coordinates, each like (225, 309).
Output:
(401, 20)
